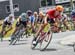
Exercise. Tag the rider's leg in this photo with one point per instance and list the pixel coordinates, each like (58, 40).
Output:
(74, 24)
(33, 27)
(3, 28)
(25, 25)
(67, 24)
(42, 26)
(9, 28)
(55, 27)
(16, 28)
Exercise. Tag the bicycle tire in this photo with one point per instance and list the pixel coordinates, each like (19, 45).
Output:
(17, 36)
(42, 49)
(33, 47)
(14, 42)
(11, 42)
(13, 38)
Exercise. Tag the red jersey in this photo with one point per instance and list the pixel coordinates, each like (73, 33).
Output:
(53, 14)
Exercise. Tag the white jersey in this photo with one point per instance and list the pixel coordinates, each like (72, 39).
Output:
(9, 21)
(64, 16)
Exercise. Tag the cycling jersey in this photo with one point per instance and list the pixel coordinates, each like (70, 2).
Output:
(6, 20)
(23, 17)
(22, 20)
(32, 19)
(53, 14)
(40, 20)
(36, 19)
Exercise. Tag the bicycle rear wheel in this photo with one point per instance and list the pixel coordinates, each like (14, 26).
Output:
(17, 37)
(45, 41)
(13, 39)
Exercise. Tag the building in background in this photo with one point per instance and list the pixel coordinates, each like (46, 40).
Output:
(68, 5)
(34, 5)
(19, 7)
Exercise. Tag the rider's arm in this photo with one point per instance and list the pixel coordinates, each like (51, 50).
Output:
(19, 19)
(45, 19)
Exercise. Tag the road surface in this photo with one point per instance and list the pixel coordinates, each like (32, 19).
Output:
(23, 47)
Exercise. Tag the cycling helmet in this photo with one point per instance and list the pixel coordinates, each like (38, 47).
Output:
(59, 8)
(41, 13)
(29, 12)
(11, 15)
(35, 13)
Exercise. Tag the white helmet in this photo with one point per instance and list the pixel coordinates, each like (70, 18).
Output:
(11, 15)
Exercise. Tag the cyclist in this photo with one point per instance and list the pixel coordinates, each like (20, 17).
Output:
(52, 16)
(8, 21)
(73, 16)
(65, 21)
(31, 19)
(40, 17)
(22, 19)
(36, 16)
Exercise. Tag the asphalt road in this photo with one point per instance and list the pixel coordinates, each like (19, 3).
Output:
(23, 47)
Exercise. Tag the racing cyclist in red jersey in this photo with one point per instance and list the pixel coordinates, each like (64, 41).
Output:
(52, 16)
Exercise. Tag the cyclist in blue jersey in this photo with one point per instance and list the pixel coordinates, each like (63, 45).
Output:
(31, 19)
(22, 19)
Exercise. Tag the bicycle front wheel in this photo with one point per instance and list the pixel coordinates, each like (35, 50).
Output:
(45, 41)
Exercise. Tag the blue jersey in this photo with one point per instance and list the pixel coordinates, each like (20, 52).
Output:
(32, 19)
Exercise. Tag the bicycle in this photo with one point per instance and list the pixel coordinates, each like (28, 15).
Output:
(43, 39)
(18, 34)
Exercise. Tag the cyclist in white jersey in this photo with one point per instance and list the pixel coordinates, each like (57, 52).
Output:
(8, 21)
